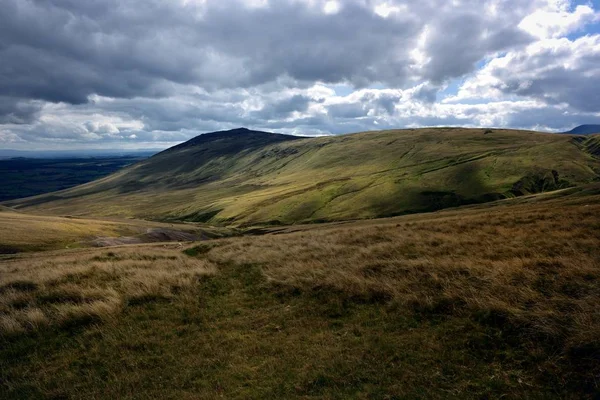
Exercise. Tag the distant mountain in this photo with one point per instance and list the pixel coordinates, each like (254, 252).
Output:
(584, 130)
(243, 177)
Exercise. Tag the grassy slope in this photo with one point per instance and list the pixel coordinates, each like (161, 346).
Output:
(363, 175)
(484, 302)
(27, 232)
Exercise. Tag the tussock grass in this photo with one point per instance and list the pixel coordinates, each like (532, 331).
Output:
(482, 302)
(547, 284)
(79, 288)
(530, 273)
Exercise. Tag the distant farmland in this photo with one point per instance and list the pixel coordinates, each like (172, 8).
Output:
(24, 177)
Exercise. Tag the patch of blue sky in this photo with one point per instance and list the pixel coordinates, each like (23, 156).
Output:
(592, 28)
(341, 89)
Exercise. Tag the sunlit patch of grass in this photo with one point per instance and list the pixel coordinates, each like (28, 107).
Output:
(68, 288)
(94, 311)
(22, 232)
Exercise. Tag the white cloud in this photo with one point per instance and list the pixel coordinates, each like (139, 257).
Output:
(331, 7)
(559, 21)
(386, 9)
(556, 71)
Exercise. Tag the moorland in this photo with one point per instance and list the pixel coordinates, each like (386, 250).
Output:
(454, 263)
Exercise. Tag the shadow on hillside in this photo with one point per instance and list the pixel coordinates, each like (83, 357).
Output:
(471, 188)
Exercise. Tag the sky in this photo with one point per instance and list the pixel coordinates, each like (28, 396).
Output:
(125, 74)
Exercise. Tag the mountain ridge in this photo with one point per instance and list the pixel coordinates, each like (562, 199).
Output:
(586, 129)
(280, 179)
(252, 138)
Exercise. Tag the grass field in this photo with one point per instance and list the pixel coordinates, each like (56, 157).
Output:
(480, 302)
(245, 178)
(23, 232)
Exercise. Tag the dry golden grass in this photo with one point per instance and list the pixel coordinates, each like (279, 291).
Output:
(532, 268)
(75, 287)
(29, 232)
(472, 253)
(26, 231)
(479, 302)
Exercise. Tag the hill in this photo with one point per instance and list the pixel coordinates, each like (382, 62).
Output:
(584, 130)
(244, 177)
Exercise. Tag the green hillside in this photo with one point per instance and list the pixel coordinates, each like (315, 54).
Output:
(244, 177)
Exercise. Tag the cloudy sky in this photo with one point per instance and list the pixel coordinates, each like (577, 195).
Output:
(151, 73)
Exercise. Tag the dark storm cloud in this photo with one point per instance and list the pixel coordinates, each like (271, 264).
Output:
(284, 108)
(18, 112)
(347, 110)
(426, 93)
(554, 119)
(460, 39)
(173, 115)
(66, 50)
(557, 84)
